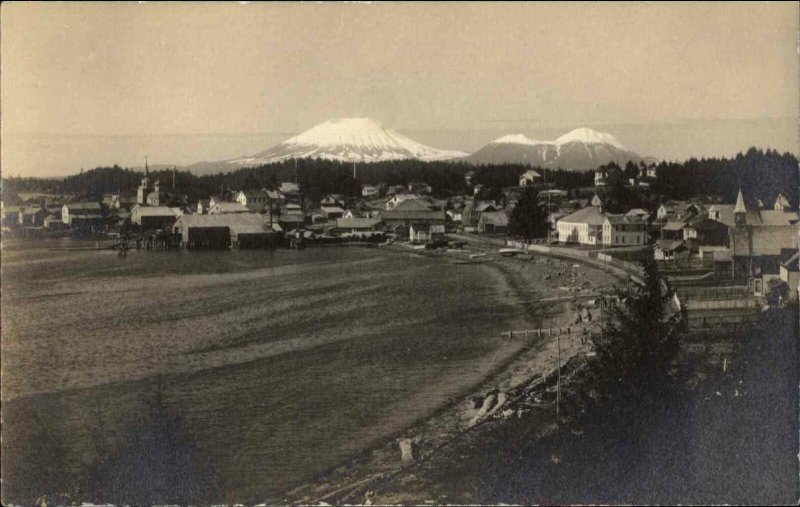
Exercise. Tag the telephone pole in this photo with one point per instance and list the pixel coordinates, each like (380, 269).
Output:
(558, 383)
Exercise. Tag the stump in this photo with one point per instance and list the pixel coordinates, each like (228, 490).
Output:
(406, 451)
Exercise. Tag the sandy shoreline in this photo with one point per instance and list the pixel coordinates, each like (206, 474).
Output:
(546, 289)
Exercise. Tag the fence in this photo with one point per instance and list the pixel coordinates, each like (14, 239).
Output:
(719, 304)
(714, 293)
(550, 331)
(717, 321)
(591, 257)
(626, 265)
(541, 247)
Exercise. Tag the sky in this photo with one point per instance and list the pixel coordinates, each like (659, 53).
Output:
(88, 84)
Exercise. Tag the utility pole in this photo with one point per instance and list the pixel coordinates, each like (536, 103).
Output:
(558, 384)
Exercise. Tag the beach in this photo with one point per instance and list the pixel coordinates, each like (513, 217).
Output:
(279, 365)
(536, 286)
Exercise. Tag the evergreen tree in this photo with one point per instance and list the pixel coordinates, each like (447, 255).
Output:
(639, 338)
(528, 219)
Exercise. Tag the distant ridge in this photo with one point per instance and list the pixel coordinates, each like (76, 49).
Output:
(579, 149)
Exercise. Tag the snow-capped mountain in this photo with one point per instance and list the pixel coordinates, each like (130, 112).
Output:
(348, 140)
(582, 149)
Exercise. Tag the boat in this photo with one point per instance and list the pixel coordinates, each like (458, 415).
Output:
(508, 252)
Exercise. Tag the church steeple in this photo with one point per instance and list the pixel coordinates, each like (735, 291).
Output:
(740, 211)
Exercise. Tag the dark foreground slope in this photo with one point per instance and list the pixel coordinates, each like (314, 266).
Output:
(730, 438)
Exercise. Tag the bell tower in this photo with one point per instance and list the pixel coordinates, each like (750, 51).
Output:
(740, 211)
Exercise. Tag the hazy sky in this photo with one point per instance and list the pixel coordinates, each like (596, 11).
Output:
(259, 71)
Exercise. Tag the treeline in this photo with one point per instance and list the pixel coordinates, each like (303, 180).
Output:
(761, 175)
(315, 177)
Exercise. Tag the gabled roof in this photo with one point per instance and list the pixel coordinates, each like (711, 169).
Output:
(496, 218)
(485, 206)
(670, 245)
(230, 207)
(414, 215)
(759, 241)
(254, 194)
(553, 192)
(331, 209)
(530, 173)
(83, 206)
(674, 225)
(242, 223)
(589, 215)
(618, 219)
(792, 263)
(86, 216)
(158, 211)
(413, 204)
(703, 223)
(357, 223)
(766, 217)
(781, 202)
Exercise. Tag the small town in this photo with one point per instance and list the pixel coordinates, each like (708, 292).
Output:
(747, 248)
(511, 253)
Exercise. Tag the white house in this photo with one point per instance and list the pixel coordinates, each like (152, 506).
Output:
(584, 227)
(600, 177)
(670, 250)
(623, 230)
(529, 177)
(781, 203)
(70, 210)
(254, 200)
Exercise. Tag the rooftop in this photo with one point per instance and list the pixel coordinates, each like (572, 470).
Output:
(357, 223)
(589, 215)
(158, 211)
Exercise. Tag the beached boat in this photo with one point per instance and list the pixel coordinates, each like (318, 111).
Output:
(509, 252)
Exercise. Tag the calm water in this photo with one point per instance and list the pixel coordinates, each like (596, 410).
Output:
(278, 364)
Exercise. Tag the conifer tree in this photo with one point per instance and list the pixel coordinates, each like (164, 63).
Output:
(528, 219)
(639, 338)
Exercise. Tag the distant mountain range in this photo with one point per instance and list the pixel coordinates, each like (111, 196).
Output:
(367, 140)
(581, 149)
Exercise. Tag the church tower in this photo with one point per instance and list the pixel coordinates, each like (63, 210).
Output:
(740, 211)
(144, 186)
